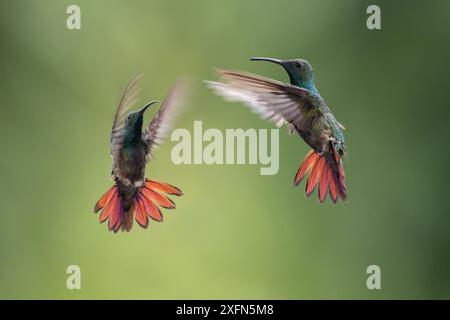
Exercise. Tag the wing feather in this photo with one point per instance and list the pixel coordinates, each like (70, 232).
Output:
(127, 101)
(163, 121)
(275, 101)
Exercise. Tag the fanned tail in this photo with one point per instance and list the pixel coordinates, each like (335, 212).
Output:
(144, 205)
(327, 172)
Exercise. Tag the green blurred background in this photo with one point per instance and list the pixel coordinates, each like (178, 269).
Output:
(235, 233)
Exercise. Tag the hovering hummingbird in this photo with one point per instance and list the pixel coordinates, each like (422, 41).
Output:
(134, 196)
(301, 107)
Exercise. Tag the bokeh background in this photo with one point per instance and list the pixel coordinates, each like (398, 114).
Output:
(235, 233)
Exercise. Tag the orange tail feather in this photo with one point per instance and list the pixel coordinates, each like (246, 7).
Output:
(163, 201)
(105, 199)
(144, 205)
(325, 171)
(163, 187)
(116, 214)
(333, 186)
(141, 215)
(314, 176)
(323, 184)
(106, 213)
(305, 166)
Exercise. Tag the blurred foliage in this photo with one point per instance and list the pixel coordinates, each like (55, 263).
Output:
(234, 234)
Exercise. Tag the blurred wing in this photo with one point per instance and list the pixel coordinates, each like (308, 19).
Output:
(163, 121)
(278, 102)
(128, 99)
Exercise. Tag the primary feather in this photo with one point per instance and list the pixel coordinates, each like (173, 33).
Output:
(163, 121)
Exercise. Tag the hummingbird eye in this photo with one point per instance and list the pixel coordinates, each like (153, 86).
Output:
(128, 117)
(299, 65)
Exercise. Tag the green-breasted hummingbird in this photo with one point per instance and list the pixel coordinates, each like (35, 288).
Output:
(300, 106)
(133, 196)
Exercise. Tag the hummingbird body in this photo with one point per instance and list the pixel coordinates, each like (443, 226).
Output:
(134, 196)
(129, 167)
(300, 106)
(326, 127)
(129, 173)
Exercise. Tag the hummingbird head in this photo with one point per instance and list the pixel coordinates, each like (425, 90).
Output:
(134, 120)
(300, 71)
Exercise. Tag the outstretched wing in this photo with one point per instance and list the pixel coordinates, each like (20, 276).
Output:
(278, 102)
(128, 99)
(162, 123)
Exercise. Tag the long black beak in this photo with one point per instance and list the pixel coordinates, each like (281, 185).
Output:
(277, 61)
(141, 112)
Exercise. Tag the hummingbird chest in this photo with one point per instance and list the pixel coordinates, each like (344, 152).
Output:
(130, 164)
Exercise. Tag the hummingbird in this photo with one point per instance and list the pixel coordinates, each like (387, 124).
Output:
(133, 196)
(300, 106)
